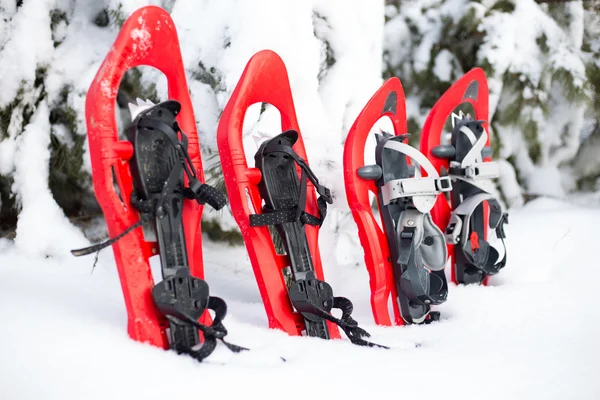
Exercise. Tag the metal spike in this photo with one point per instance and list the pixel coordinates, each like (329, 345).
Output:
(259, 137)
(457, 117)
(136, 108)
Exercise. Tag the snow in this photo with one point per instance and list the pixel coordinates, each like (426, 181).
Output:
(442, 67)
(221, 37)
(326, 103)
(397, 43)
(509, 184)
(424, 15)
(546, 181)
(527, 52)
(531, 334)
(516, 339)
(30, 29)
(142, 36)
(512, 45)
(41, 221)
(218, 37)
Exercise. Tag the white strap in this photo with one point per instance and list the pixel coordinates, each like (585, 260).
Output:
(423, 191)
(415, 187)
(484, 170)
(485, 185)
(415, 155)
(477, 145)
(461, 217)
(469, 205)
(477, 172)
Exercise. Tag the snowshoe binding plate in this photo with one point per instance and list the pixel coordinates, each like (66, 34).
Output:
(272, 194)
(147, 186)
(465, 156)
(406, 258)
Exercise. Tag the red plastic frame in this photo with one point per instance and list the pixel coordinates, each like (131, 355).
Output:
(372, 237)
(457, 94)
(265, 80)
(148, 37)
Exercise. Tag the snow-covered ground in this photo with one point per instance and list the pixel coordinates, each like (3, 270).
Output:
(532, 334)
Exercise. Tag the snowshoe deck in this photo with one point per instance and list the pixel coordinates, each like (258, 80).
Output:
(273, 195)
(147, 186)
(405, 258)
(466, 159)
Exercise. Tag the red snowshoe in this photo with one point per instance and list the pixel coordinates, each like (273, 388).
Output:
(465, 156)
(279, 192)
(406, 257)
(147, 186)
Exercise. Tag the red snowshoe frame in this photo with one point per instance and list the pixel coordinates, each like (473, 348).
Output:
(264, 80)
(387, 101)
(470, 88)
(156, 44)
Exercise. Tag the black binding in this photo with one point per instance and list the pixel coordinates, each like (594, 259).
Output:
(418, 288)
(473, 263)
(285, 200)
(483, 255)
(158, 166)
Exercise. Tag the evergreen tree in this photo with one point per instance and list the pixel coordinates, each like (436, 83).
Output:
(541, 64)
(50, 50)
(541, 60)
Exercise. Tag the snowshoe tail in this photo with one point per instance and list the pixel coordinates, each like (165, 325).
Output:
(148, 185)
(405, 258)
(296, 297)
(465, 156)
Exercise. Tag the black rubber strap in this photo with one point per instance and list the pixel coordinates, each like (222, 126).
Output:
(405, 244)
(315, 297)
(349, 325)
(346, 322)
(322, 204)
(457, 171)
(147, 213)
(203, 193)
(270, 217)
(97, 247)
(214, 332)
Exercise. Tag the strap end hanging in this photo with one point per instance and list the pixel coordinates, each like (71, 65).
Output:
(500, 228)
(204, 193)
(325, 193)
(97, 247)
